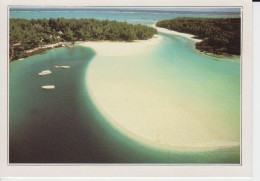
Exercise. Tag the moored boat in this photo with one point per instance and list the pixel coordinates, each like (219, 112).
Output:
(45, 72)
(62, 66)
(48, 87)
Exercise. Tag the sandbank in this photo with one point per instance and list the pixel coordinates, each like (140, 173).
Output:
(119, 48)
(153, 117)
(142, 106)
(186, 35)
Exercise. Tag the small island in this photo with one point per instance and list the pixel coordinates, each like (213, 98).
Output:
(28, 37)
(219, 35)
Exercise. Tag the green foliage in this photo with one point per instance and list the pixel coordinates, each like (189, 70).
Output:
(220, 35)
(32, 33)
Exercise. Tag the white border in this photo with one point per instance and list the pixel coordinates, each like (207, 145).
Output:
(130, 170)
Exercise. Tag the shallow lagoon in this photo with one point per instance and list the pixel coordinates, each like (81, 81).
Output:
(66, 125)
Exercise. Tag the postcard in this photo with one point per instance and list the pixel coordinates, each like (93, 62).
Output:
(126, 89)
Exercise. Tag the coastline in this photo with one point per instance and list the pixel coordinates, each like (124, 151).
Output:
(43, 48)
(186, 35)
(159, 100)
(103, 47)
(191, 37)
(120, 48)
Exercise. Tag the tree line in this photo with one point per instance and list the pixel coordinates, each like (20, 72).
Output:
(219, 35)
(27, 34)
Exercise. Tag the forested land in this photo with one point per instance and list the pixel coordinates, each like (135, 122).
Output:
(27, 34)
(219, 35)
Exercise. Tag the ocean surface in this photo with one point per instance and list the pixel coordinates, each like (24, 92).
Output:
(131, 16)
(65, 125)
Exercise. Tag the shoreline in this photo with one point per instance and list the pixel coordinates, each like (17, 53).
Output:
(120, 48)
(43, 48)
(191, 37)
(104, 47)
(172, 32)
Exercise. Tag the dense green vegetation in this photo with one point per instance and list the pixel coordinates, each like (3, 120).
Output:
(220, 35)
(28, 34)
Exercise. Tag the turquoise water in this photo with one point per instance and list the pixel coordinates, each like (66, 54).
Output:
(65, 126)
(147, 18)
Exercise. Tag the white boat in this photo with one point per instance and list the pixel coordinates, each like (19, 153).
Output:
(62, 66)
(48, 87)
(20, 58)
(45, 72)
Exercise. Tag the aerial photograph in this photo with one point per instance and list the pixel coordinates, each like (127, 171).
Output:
(124, 85)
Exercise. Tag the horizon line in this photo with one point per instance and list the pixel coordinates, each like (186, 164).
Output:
(161, 9)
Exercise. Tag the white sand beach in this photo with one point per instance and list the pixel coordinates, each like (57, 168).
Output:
(112, 48)
(145, 108)
(186, 35)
